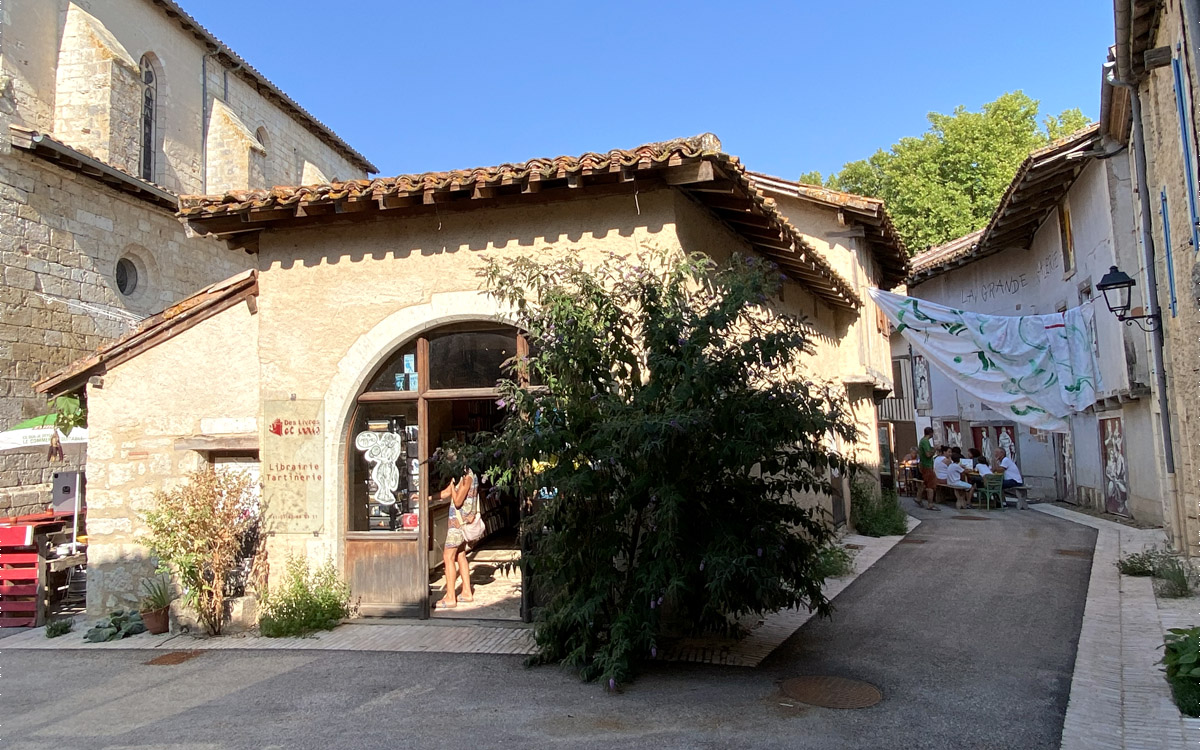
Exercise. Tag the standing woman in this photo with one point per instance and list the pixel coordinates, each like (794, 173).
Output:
(463, 495)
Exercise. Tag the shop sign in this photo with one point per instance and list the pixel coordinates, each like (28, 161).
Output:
(293, 466)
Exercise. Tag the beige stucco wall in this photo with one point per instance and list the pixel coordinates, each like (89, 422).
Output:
(207, 374)
(334, 303)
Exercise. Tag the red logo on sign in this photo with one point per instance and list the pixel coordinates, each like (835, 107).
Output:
(276, 427)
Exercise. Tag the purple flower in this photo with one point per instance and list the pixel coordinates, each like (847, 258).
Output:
(701, 565)
(653, 652)
(612, 684)
(651, 604)
(660, 601)
(760, 551)
(496, 454)
(500, 403)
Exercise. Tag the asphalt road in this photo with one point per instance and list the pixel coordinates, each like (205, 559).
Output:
(971, 637)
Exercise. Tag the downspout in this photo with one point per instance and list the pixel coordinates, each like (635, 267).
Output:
(204, 123)
(1147, 226)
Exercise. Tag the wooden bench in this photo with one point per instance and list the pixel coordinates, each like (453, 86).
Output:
(1021, 493)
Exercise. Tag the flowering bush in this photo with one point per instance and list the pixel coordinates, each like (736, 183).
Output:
(198, 531)
(667, 434)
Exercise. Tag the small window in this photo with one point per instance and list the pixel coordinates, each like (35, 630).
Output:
(1068, 242)
(127, 276)
(148, 135)
(264, 140)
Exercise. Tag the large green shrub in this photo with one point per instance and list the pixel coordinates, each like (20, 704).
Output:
(198, 532)
(305, 601)
(671, 429)
(1182, 661)
(875, 513)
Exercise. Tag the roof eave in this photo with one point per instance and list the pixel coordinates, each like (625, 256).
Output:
(238, 65)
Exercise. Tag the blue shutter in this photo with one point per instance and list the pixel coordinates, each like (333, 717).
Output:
(1185, 135)
(1166, 217)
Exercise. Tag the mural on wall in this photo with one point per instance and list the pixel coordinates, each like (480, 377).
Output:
(1066, 465)
(922, 393)
(981, 436)
(1006, 438)
(1112, 454)
(293, 466)
(953, 434)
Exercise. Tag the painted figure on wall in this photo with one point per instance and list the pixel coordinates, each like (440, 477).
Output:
(953, 434)
(924, 399)
(1007, 439)
(1116, 481)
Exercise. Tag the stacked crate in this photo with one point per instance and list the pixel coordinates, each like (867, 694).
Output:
(20, 577)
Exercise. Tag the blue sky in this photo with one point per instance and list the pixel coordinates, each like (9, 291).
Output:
(788, 87)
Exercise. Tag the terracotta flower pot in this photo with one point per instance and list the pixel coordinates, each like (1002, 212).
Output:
(157, 621)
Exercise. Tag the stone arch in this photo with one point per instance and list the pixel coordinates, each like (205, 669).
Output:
(361, 360)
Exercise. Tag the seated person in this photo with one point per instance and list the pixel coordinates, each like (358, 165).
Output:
(963, 490)
(977, 467)
(911, 458)
(940, 462)
(1003, 464)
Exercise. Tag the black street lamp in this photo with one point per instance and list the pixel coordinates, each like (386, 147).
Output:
(1118, 287)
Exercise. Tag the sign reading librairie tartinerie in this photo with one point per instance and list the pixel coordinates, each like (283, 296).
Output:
(293, 466)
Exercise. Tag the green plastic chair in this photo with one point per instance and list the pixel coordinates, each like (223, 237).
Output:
(992, 489)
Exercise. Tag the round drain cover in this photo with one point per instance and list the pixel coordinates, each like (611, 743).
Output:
(832, 692)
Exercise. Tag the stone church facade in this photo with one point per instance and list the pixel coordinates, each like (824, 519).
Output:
(108, 111)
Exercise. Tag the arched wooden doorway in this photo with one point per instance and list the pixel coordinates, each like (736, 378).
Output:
(438, 386)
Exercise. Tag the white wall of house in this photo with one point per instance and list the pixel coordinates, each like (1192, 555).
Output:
(1037, 280)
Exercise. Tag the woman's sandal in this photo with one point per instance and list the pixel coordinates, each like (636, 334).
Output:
(443, 604)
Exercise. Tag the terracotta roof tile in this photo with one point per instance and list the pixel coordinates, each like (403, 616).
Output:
(241, 212)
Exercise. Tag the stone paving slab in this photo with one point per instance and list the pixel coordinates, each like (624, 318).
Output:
(474, 637)
(1119, 698)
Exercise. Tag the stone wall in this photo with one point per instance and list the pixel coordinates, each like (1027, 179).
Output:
(61, 235)
(143, 406)
(1164, 153)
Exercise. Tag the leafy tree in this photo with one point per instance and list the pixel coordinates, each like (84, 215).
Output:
(948, 181)
(671, 432)
(811, 178)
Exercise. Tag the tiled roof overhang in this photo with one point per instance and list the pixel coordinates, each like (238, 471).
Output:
(153, 331)
(247, 72)
(1040, 183)
(868, 213)
(694, 165)
(45, 147)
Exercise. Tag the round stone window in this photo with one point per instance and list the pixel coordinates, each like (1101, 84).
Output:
(127, 276)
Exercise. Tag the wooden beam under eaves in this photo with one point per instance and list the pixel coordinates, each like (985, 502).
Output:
(688, 174)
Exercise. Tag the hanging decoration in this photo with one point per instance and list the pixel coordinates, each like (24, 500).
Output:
(1033, 369)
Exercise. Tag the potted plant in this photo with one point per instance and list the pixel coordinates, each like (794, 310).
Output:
(155, 604)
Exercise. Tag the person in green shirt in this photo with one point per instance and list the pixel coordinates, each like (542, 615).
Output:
(925, 454)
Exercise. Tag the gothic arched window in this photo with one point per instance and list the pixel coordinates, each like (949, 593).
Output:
(149, 101)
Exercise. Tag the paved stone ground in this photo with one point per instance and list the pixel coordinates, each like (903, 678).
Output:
(971, 637)
(1119, 699)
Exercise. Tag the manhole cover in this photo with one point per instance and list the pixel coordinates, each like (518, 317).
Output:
(1074, 552)
(832, 692)
(174, 657)
(970, 518)
(906, 540)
